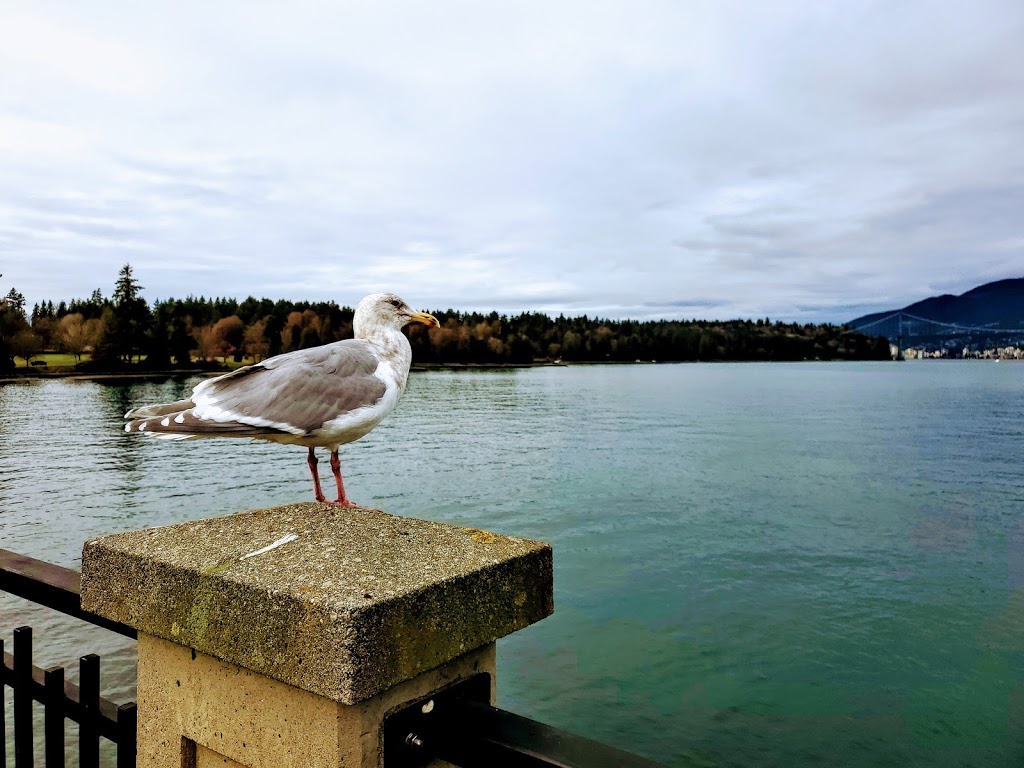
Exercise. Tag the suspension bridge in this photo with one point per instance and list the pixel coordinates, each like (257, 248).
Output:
(903, 328)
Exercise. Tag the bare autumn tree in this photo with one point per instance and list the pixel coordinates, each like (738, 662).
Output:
(26, 344)
(45, 327)
(311, 319)
(208, 344)
(75, 334)
(291, 334)
(229, 333)
(255, 343)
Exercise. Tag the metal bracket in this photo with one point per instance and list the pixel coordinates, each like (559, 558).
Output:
(459, 726)
(414, 735)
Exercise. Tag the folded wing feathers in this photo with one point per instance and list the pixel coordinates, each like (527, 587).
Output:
(290, 394)
(299, 392)
(238, 373)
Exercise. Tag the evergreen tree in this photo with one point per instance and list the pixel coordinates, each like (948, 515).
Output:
(272, 333)
(16, 302)
(131, 316)
(12, 322)
(181, 341)
(310, 338)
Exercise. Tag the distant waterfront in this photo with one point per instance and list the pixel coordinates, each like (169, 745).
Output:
(22, 373)
(791, 564)
(995, 353)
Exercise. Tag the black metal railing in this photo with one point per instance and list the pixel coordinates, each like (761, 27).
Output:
(457, 725)
(58, 588)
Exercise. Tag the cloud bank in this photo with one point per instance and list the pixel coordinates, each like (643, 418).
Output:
(807, 160)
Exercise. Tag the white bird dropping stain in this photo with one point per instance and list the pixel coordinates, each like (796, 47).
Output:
(278, 543)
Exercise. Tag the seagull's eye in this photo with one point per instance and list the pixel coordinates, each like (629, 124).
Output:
(396, 303)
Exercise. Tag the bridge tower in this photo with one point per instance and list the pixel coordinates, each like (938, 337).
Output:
(899, 336)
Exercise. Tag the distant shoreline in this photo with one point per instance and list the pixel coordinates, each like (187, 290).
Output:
(37, 375)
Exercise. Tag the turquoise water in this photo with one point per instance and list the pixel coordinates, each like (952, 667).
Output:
(793, 565)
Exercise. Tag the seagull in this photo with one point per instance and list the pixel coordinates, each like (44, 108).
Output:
(322, 397)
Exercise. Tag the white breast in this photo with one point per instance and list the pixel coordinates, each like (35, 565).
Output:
(352, 425)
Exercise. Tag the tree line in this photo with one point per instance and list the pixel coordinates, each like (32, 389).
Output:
(123, 331)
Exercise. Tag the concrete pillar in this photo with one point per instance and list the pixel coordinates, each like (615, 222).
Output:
(285, 636)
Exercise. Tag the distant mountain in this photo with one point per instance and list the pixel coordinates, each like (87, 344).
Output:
(996, 305)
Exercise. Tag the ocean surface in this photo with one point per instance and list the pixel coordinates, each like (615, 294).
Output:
(813, 564)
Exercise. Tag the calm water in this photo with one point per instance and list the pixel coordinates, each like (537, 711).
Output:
(793, 565)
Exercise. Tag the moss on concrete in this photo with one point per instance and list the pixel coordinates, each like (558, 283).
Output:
(359, 601)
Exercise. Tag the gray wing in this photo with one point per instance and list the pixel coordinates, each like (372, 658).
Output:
(296, 392)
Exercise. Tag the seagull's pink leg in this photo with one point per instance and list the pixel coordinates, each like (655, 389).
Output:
(311, 460)
(336, 468)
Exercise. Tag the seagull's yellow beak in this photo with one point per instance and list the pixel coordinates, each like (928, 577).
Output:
(425, 318)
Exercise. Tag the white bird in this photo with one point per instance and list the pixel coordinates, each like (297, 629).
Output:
(321, 397)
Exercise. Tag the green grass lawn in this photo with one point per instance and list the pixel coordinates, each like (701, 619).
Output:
(230, 362)
(53, 360)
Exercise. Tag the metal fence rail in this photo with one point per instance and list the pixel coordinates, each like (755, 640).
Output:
(53, 586)
(58, 588)
(457, 725)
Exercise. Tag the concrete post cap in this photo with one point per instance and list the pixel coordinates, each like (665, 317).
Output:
(344, 603)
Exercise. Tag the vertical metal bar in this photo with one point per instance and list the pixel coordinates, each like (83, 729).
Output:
(127, 724)
(53, 711)
(23, 753)
(89, 727)
(3, 712)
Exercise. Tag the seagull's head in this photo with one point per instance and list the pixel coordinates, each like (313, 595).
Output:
(386, 310)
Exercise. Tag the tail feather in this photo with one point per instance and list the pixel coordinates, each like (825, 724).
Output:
(185, 424)
(159, 409)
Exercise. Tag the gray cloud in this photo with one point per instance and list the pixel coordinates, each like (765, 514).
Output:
(808, 160)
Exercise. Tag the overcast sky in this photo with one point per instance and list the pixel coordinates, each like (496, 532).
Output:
(808, 160)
